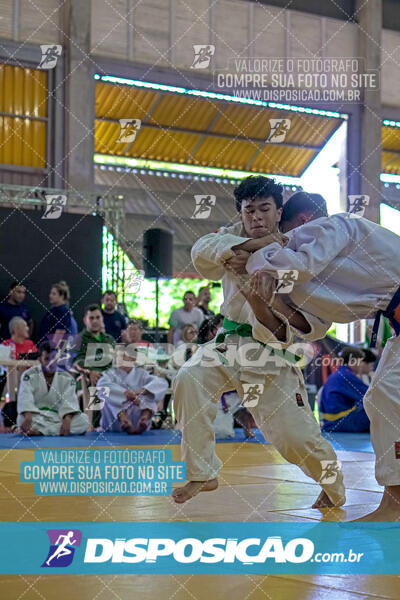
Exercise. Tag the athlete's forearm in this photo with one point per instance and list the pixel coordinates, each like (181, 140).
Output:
(295, 317)
(273, 323)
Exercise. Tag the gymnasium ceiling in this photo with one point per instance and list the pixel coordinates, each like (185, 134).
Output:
(197, 131)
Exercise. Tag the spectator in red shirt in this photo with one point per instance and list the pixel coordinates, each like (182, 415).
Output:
(19, 331)
(133, 333)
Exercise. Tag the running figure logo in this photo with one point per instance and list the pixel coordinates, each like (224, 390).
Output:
(357, 205)
(50, 54)
(252, 393)
(55, 205)
(129, 129)
(97, 397)
(134, 281)
(62, 547)
(330, 471)
(204, 204)
(286, 279)
(202, 55)
(279, 129)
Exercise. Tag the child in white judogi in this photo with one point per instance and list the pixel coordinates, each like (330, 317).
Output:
(130, 395)
(47, 402)
(347, 268)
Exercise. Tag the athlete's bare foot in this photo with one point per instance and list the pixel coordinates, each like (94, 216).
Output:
(125, 422)
(387, 511)
(192, 488)
(323, 501)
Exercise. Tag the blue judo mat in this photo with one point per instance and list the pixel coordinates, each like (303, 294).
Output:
(356, 442)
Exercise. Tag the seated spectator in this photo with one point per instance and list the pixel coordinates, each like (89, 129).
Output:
(114, 321)
(19, 340)
(189, 334)
(133, 333)
(87, 360)
(188, 314)
(341, 407)
(14, 306)
(368, 365)
(131, 398)
(203, 300)
(58, 320)
(47, 401)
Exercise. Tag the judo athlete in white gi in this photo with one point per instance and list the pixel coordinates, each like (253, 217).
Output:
(131, 398)
(348, 269)
(47, 402)
(282, 411)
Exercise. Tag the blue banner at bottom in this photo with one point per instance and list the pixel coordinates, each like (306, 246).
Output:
(200, 548)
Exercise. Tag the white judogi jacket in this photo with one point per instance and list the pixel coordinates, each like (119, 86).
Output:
(208, 256)
(118, 382)
(348, 267)
(35, 397)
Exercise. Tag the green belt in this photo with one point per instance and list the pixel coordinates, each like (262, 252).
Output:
(245, 330)
(50, 409)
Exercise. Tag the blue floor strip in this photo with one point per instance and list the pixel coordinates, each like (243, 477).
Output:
(356, 442)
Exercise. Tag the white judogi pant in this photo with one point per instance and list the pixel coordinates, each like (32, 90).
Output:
(118, 381)
(283, 414)
(382, 405)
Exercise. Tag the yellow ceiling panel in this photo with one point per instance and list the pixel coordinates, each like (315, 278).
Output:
(122, 102)
(23, 91)
(194, 130)
(157, 144)
(184, 112)
(391, 162)
(22, 142)
(391, 138)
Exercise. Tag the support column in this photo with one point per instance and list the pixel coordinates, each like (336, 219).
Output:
(80, 98)
(369, 17)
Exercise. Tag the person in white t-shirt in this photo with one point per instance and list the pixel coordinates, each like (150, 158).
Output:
(188, 314)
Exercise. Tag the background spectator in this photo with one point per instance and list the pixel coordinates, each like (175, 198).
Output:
(114, 321)
(188, 314)
(19, 331)
(203, 300)
(14, 306)
(92, 334)
(367, 365)
(133, 333)
(58, 319)
(341, 407)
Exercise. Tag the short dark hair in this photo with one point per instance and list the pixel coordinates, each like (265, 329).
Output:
(369, 356)
(137, 322)
(15, 284)
(350, 353)
(258, 186)
(303, 202)
(109, 293)
(188, 292)
(91, 308)
(44, 347)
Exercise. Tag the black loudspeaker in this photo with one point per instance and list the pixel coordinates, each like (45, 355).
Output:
(157, 253)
